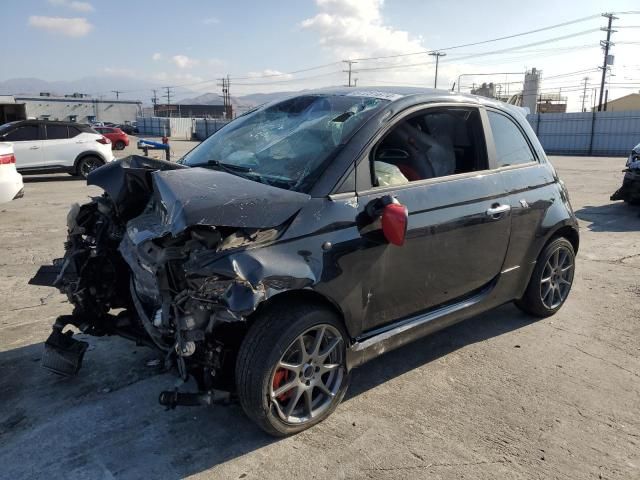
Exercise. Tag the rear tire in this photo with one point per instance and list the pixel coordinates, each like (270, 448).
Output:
(88, 164)
(550, 281)
(286, 400)
(119, 145)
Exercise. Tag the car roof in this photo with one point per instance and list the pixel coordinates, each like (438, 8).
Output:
(422, 95)
(47, 122)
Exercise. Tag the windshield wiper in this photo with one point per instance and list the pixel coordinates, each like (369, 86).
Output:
(229, 167)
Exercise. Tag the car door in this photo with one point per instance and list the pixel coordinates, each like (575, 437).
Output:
(56, 145)
(27, 145)
(530, 184)
(458, 213)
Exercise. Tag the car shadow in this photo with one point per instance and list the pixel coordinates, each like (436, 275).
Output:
(107, 419)
(611, 217)
(51, 178)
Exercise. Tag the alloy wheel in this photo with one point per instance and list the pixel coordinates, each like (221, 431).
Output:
(557, 278)
(88, 165)
(309, 375)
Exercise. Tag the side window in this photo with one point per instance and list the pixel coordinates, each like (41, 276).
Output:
(434, 143)
(24, 133)
(57, 132)
(511, 146)
(73, 131)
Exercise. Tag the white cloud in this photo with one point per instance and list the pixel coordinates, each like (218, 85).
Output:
(210, 21)
(71, 27)
(156, 56)
(182, 61)
(268, 72)
(73, 4)
(351, 29)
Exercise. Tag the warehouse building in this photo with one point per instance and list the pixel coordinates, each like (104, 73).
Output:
(188, 111)
(76, 107)
(623, 104)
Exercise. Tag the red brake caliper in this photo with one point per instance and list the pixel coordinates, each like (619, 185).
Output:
(279, 379)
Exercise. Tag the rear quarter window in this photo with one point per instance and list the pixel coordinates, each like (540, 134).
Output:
(512, 148)
(74, 131)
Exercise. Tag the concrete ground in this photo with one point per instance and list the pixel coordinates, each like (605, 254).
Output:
(498, 396)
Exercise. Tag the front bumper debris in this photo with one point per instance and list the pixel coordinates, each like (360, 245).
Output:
(62, 353)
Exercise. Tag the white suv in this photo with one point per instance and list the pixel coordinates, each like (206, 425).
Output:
(43, 146)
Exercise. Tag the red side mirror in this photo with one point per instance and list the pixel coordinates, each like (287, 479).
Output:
(394, 223)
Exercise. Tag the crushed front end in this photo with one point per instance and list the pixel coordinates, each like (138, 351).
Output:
(168, 259)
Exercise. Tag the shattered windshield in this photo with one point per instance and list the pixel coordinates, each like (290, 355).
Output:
(287, 144)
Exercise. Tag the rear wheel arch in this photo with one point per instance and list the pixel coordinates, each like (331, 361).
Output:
(567, 231)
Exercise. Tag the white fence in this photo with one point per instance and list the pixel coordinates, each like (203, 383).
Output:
(182, 128)
(588, 133)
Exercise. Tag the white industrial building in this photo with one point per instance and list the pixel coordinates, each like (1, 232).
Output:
(75, 108)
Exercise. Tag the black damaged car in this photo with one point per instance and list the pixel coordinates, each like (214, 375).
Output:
(312, 235)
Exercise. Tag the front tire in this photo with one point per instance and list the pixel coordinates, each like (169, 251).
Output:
(119, 145)
(291, 369)
(550, 281)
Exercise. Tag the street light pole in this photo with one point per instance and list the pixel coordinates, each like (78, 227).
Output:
(437, 55)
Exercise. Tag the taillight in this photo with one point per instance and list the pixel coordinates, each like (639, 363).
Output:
(7, 159)
(103, 140)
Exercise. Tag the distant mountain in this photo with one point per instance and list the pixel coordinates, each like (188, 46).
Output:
(240, 104)
(204, 99)
(132, 88)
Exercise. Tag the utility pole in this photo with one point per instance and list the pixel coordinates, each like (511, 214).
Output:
(154, 101)
(437, 55)
(168, 96)
(117, 92)
(348, 72)
(584, 93)
(226, 97)
(605, 44)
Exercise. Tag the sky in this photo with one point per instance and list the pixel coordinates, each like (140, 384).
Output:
(259, 44)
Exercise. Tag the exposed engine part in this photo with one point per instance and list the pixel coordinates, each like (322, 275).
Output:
(62, 353)
(172, 399)
(184, 280)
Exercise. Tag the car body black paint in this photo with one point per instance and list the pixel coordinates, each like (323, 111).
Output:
(457, 260)
(208, 197)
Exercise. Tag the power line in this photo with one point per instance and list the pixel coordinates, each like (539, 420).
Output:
(494, 52)
(282, 74)
(550, 27)
(291, 80)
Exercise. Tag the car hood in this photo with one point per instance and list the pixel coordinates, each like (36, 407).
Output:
(201, 196)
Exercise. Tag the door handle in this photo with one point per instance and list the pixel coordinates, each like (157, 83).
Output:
(498, 210)
(35, 147)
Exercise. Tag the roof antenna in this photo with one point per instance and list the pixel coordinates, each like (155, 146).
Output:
(453, 87)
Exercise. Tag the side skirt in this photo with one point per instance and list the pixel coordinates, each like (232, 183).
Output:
(406, 331)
